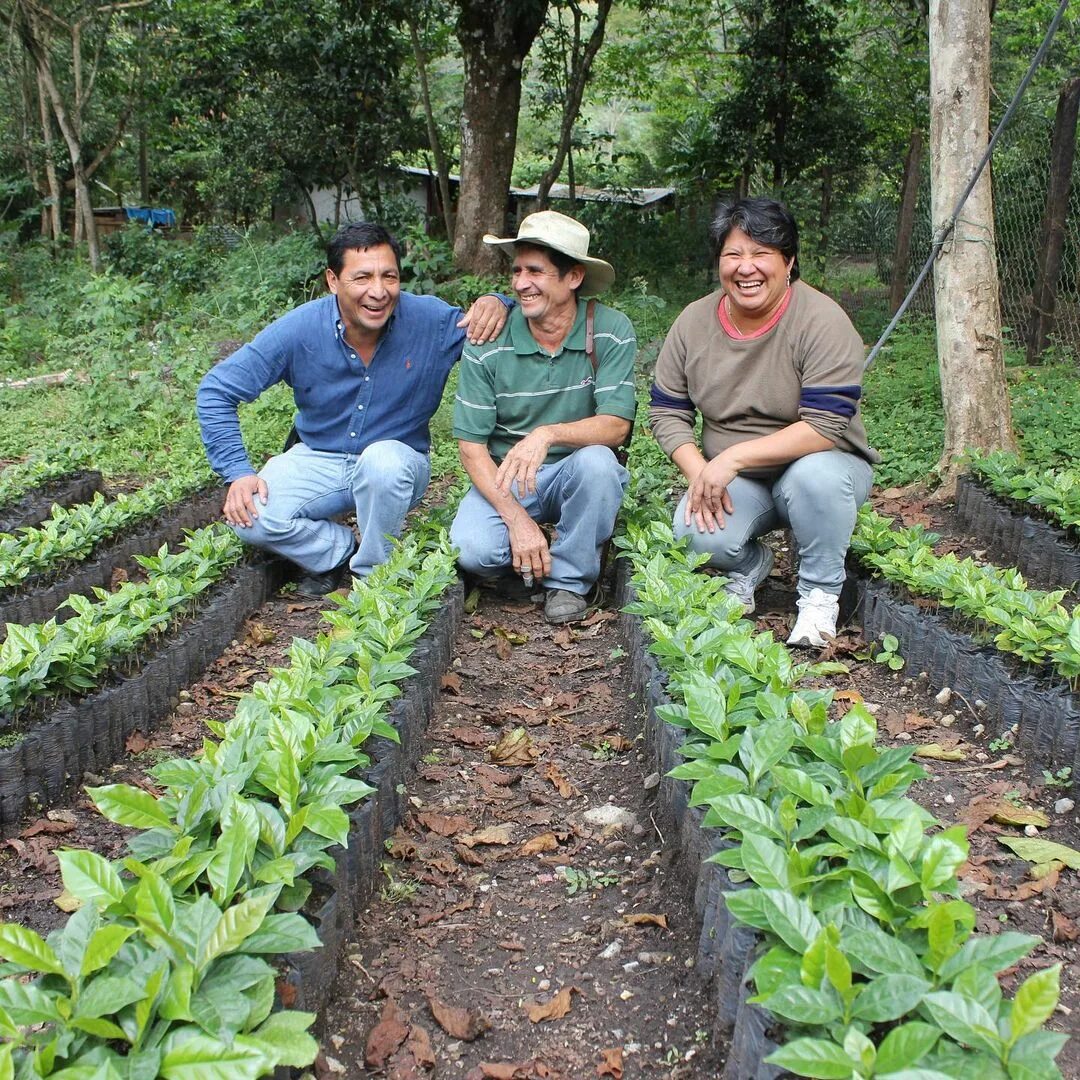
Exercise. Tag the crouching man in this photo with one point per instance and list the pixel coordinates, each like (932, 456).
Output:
(538, 415)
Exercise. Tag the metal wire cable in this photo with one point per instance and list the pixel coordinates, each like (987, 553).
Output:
(947, 226)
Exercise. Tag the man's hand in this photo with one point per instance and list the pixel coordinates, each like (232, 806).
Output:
(240, 506)
(483, 321)
(522, 462)
(528, 547)
(708, 499)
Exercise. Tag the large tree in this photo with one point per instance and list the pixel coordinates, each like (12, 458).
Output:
(970, 354)
(495, 37)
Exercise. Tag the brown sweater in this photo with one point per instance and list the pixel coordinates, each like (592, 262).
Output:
(808, 367)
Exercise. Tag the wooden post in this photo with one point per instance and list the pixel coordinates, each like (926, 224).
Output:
(1052, 240)
(905, 223)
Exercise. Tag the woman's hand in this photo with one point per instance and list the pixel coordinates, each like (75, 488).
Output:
(707, 498)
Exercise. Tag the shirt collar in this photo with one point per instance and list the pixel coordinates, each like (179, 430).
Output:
(525, 344)
(339, 322)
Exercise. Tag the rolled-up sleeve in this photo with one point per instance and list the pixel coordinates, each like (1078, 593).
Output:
(671, 412)
(831, 358)
(474, 403)
(250, 371)
(616, 349)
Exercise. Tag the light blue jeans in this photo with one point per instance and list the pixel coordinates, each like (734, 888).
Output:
(307, 488)
(579, 495)
(817, 496)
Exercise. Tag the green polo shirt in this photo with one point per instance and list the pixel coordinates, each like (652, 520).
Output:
(510, 386)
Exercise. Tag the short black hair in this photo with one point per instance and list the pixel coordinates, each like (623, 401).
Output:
(562, 262)
(765, 221)
(357, 236)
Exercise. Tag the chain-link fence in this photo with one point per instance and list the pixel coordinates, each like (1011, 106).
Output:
(1019, 173)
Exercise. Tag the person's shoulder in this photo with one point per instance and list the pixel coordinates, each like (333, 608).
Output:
(610, 320)
(422, 305)
(702, 310)
(312, 313)
(815, 305)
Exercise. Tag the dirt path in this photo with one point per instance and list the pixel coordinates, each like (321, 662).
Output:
(517, 936)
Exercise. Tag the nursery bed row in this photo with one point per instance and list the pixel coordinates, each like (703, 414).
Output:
(88, 734)
(1053, 494)
(35, 506)
(1037, 547)
(39, 598)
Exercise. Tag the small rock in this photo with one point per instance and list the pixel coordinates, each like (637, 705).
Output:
(873, 710)
(544, 984)
(922, 676)
(639, 830)
(950, 799)
(334, 1065)
(947, 720)
(982, 756)
(980, 704)
(943, 696)
(184, 695)
(186, 708)
(93, 779)
(630, 965)
(903, 691)
(978, 729)
(1030, 830)
(1063, 806)
(337, 1040)
(626, 995)
(903, 736)
(612, 950)
(609, 816)
(651, 781)
(652, 958)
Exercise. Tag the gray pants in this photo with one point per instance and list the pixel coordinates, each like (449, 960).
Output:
(817, 496)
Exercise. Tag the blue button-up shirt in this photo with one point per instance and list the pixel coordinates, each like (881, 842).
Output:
(342, 406)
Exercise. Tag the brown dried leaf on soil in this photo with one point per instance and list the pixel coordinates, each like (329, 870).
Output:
(936, 752)
(492, 1070)
(45, 825)
(612, 1064)
(451, 682)
(465, 1024)
(1026, 889)
(1064, 928)
(1005, 813)
(544, 842)
(434, 916)
(563, 637)
(852, 696)
(259, 634)
(136, 743)
(468, 856)
(555, 1008)
(512, 945)
(400, 846)
(119, 577)
(493, 834)
(444, 824)
(469, 736)
(497, 776)
(646, 918)
(386, 1036)
(415, 1060)
(514, 748)
(503, 649)
(552, 772)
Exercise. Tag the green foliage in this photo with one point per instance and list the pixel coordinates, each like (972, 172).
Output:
(1055, 491)
(869, 958)
(40, 468)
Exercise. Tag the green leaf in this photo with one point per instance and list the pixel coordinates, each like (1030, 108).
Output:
(838, 969)
(27, 1003)
(1035, 1001)
(283, 933)
(329, 821)
(815, 1058)
(765, 861)
(889, 997)
(202, 1058)
(22, 946)
(803, 785)
(906, 1045)
(237, 923)
(90, 877)
(747, 814)
(995, 952)
(127, 805)
(155, 909)
(941, 859)
(804, 1005)
(776, 968)
(963, 1019)
(1042, 852)
(105, 943)
(1031, 1057)
(791, 919)
(287, 1034)
(107, 995)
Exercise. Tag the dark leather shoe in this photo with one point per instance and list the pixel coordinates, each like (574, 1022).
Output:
(312, 584)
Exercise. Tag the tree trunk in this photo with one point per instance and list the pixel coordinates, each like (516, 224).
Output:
(970, 355)
(581, 62)
(1052, 241)
(905, 224)
(495, 37)
(442, 168)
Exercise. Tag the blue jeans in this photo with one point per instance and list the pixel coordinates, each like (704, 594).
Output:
(817, 496)
(580, 495)
(307, 488)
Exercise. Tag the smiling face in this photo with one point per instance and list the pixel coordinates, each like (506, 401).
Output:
(540, 291)
(754, 278)
(367, 289)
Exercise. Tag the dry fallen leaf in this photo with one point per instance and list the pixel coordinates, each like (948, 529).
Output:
(1064, 928)
(645, 918)
(1027, 889)
(512, 945)
(465, 1024)
(434, 916)
(612, 1064)
(468, 856)
(848, 695)
(451, 681)
(444, 824)
(386, 1036)
(44, 825)
(136, 743)
(469, 736)
(493, 834)
(554, 1009)
(1005, 813)
(497, 776)
(67, 902)
(503, 649)
(418, 1048)
(544, 842)
(937, 752)
(260, 634)
(514, 748)
(551, 772)
(504, 1070)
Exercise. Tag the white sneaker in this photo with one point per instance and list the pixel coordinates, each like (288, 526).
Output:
(816, 623)
(743, 586)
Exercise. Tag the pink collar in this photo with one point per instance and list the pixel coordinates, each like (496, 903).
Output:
(733, 331)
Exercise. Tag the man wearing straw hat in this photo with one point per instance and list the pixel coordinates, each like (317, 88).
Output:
(538, 416)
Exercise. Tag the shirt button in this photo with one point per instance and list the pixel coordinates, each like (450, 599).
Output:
(352, 356)
(359, 406)
(352, 434)
(366, 377)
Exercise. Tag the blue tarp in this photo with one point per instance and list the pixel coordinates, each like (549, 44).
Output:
(145, 216)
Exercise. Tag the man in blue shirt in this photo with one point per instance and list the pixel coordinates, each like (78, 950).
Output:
(367, 365)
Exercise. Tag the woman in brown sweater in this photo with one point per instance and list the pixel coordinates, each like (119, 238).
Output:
(775, 369)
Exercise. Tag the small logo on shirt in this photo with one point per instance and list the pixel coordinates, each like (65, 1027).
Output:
(408, 363)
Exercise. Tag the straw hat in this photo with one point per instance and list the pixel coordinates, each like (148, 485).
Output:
(550, 229)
